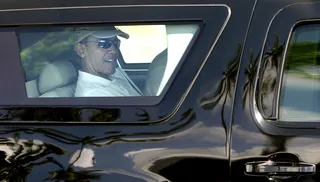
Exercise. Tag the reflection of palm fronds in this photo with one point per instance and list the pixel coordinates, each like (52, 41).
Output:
(107, 138)
(103, 115)
(274, 55)
(70, 175)
(272, 61)
(113, 137)
(272, 64)
(250, 73)
(225, 86)
(143, 114)
(21, 156)
(270, 75)
(59, 114)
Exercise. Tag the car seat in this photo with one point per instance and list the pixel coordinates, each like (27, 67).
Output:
(58, 79)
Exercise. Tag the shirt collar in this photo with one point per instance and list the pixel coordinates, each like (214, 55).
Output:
(87, 77)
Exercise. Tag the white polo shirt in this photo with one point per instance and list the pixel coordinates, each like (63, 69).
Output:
(89, 85)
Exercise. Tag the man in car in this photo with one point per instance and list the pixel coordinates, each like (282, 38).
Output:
(100, 75)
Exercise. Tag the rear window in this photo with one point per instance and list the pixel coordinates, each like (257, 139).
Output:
(300, 89)
(85, 61)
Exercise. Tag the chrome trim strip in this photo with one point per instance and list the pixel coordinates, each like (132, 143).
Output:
(229, 138)
(133, 70)
(112, 6)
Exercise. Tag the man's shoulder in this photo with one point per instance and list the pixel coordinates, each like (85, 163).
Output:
(84, 77)
(91, 92)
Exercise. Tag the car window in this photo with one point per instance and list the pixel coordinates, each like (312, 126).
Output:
(300, 90)
(83, 61)
(152, 39)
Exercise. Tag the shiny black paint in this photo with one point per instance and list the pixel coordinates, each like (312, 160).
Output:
(209, 138)
(191, 144)
(156, 107)
(254, 139)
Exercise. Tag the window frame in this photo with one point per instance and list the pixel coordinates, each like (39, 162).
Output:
(273, 124)
(138, 100)
(125, 102)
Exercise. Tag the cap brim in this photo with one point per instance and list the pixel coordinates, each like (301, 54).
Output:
(109, 34)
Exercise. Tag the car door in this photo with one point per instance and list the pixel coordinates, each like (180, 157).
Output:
(275, 133)
(180, 134)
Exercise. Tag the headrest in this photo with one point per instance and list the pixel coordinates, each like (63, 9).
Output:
(155, 73)
(56, 74)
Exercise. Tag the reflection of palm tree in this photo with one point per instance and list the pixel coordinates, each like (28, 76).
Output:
(109, 137)
(250, 73)
(274, 55)
(225, 88)
(19, 157)
(72, 175)
(143, 114)
(60, 114)
(271, 67)
(271, 63)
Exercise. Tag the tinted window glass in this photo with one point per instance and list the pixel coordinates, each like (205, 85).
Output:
(84, 61)
(300, 93)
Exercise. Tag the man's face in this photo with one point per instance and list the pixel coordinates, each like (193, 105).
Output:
(99, 60)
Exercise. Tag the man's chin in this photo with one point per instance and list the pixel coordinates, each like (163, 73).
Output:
(110, 72)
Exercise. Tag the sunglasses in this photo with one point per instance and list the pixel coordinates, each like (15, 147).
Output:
(106, 43)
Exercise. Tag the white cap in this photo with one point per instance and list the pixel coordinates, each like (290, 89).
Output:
(101, 32)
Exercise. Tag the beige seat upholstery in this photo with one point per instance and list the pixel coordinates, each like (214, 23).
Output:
(155, 74)
(32, 88)
(57, 79)
(164, 64)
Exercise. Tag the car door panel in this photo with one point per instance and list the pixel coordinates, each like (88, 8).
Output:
(170, 141)
(257, 133)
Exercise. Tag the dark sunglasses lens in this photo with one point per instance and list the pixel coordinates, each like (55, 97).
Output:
(107, 44)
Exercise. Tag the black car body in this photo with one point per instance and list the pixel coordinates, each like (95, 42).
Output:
(221, 117)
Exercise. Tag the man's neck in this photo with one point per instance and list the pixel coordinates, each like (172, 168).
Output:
(90, 71)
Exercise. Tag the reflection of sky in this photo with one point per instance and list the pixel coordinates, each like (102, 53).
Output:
(200, 139)
(300, 99)
(307, 33)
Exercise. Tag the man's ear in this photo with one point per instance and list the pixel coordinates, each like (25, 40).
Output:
(80, 50)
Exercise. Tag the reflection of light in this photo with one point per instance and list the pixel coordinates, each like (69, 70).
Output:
(132, 153)
(17, 148)
(84, 158)
(7, 150)
(179, 37)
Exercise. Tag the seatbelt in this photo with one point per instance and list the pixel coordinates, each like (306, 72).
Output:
(130, 81)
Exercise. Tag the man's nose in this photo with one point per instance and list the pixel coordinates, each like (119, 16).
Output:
(112, 49)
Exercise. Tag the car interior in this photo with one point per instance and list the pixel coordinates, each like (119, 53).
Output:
(58, 78)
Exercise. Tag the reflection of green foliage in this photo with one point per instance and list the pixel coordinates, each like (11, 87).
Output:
(70, 175)
(52, 46)
(302, 55)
